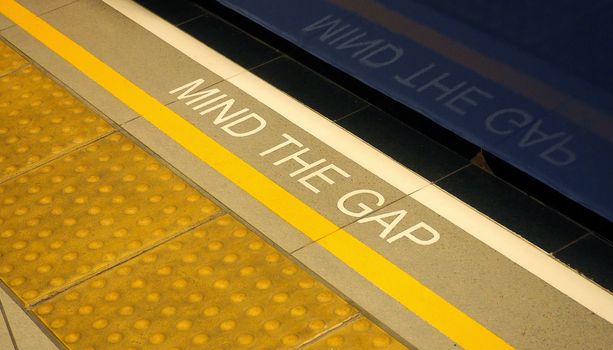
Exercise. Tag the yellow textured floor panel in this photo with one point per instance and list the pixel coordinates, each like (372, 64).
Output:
(218, 286)
(359, 334)
(39, 119)
(86, 210)
(9, 59)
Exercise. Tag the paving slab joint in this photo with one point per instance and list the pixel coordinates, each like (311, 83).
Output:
(8, 325)
(328, 331)
(36, 302)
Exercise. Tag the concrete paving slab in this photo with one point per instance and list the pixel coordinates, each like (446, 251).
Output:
(182, 41)
(27, 335)
(277, 149)
(36, 6)
(513, 303)
(69, 76)
(131, 50)
(6, 341)
(5, 22)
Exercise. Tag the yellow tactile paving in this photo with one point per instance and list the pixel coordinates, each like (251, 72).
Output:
(86, 210)
(65, 222)
(216, 287)
(39, 119)
(359, 334)
(9, 59)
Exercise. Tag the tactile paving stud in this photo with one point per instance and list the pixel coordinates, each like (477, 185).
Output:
(216, 287)
(40, 119)
(85, 211)
(360, 334)
(9, 59)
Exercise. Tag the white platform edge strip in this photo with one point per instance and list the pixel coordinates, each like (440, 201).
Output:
(499, 238)
(518, 250)
(190, 47)
(329, 133)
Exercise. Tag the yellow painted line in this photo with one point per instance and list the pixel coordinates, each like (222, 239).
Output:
(450, 321)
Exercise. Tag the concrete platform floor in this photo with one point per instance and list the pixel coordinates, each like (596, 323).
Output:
(157, 194)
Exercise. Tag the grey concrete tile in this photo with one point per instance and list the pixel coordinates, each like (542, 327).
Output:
(593, 257)
(27, 335)
(36, 6)
(40, 7)
(230, 41)
(137, 54)
(508, 300)
(512, 208)
(309, 87)
(406, 145)
(5, 22)
(259, 151)
(5, 335)
(246, 207)
(175, 12)
(63, 71)
(372, 300)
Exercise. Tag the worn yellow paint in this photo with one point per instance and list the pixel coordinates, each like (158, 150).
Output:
(450, 321)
